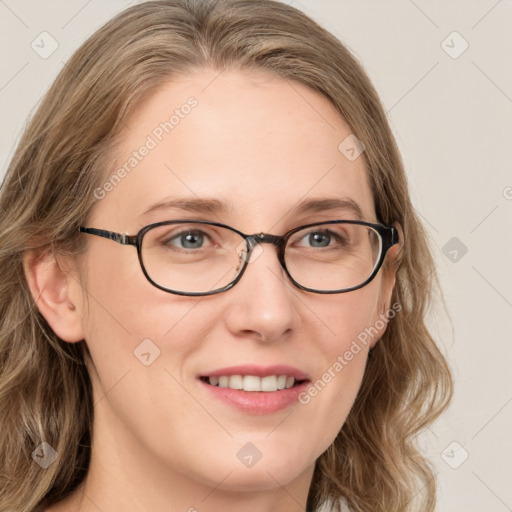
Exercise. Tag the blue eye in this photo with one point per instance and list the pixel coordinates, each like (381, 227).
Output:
(322, 238)
(187, 240)
(319, 239)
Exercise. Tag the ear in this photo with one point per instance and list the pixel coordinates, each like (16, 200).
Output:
(389, 270)
(56, 291)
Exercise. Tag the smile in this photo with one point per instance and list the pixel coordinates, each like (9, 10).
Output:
(253, 383)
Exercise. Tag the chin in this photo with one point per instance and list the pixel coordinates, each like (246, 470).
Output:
(259, 478)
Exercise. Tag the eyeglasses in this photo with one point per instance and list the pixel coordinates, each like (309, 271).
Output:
(198, 257)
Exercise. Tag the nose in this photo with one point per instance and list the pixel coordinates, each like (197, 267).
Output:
(263, 304)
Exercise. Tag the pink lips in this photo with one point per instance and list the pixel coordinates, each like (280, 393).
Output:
(257, 402)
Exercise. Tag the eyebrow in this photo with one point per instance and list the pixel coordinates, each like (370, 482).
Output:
(214, 206)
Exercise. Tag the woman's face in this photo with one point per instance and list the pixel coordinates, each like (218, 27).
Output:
(260, 146)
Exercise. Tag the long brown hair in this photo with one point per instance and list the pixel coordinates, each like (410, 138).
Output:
(48, 191)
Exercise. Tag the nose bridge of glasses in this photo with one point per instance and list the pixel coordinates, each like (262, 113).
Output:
(264, 238)
(258, 239)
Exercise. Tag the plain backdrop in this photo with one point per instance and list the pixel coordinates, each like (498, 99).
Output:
(442, 69)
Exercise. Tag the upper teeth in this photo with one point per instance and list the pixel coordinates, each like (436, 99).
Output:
(252, 382)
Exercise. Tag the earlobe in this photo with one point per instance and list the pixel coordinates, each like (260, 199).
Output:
(55, 292)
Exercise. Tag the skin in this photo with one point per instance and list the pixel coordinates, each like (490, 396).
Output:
(160, 442)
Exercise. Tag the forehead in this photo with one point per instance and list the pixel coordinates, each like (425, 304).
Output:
(254, 141)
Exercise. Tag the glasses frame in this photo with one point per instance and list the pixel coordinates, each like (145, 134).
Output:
(388, 236)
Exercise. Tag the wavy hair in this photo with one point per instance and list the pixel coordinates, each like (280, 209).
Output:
(48, 192)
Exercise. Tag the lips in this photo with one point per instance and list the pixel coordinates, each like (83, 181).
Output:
(256, 389)
(255, 401)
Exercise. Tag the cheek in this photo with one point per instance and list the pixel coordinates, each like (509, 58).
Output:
(130, 322)
(343, 350)
(140, 339)
(348, 318)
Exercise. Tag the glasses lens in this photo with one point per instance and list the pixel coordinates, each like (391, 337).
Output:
(331, 257)
(192, 257)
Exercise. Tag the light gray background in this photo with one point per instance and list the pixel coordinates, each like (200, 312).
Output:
(452, 120)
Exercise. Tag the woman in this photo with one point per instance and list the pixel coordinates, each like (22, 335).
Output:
(262, 346)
